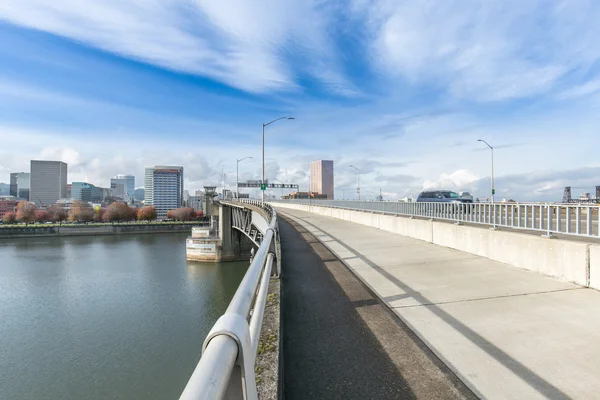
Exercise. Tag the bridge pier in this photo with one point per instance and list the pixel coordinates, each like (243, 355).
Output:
(221, 242)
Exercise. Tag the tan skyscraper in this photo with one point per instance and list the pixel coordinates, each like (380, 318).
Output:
(321, 177)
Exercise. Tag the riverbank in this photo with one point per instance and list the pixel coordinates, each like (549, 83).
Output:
(96, 229)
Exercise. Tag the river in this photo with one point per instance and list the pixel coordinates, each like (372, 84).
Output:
(105, 317)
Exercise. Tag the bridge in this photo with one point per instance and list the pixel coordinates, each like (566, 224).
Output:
(389, 300)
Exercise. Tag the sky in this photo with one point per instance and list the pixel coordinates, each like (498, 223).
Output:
(400, 89)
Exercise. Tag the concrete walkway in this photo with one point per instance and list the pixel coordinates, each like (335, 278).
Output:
(507, 333)
(341, 342)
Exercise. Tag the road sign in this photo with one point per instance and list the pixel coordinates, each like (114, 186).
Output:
(264, 186)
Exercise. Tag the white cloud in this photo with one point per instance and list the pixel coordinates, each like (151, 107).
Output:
(585, 89)
(457, 180)
(241, 43)
(483, 50)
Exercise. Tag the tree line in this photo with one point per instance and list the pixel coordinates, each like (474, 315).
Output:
(27, 213)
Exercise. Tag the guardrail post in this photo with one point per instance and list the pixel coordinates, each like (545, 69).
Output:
(548, 221)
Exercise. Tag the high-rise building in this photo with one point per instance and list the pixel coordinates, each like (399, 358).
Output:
(48, 182)
(321, 178)
(123, 185)
(19, 184)
(87, 192)
(139, 194)
(163, 188)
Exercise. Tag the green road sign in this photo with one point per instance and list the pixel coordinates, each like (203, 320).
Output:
(263, 186)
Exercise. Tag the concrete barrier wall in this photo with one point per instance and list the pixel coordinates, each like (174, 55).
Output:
(595, 267)
(571, 261)
(82, 230)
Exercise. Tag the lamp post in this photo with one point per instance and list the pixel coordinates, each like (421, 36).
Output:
(237, 177)
(493, 189)
(262, 182)
(357, 181)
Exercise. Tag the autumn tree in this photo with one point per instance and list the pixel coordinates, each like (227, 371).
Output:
(132, 214)
(81, 212)
(25, 212)
(118, 212)
(9, 218)
(182, 214)
(147, 213)
(42, 216)
(99, 214)
(57, 213)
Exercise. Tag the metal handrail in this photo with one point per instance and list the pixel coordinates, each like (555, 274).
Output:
(548, 218)
(226, 369)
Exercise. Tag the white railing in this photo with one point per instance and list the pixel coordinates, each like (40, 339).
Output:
(565, 219)
(226, 369)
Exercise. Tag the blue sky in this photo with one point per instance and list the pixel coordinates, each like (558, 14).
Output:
(401, 89)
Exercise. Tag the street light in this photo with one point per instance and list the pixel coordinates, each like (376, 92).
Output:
(237, 178)
(493, 189)
(357, 181)
(263, 154)
(492, 149)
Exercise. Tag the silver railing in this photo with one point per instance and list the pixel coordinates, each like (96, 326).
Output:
(226, 369)
(548, 218)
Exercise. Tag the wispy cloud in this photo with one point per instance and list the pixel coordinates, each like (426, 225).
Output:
(486, 51)
(243, 44)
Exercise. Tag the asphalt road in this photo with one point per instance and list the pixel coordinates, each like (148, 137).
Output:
(340, 341)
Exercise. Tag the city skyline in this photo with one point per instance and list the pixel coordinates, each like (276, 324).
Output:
(400, 90)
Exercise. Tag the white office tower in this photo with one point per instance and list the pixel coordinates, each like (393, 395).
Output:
(163, 188)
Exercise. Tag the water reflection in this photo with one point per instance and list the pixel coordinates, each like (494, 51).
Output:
(117, 317)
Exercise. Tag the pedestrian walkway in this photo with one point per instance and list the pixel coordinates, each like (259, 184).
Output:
(507, 333)
(341, 342)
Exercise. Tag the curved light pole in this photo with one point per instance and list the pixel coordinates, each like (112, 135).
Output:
(237, 177)
(493, 189)
(492, 149)
(263, 153)
(357, 181)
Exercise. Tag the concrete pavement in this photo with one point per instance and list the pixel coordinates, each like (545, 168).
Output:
(506, 332)
(341, 342)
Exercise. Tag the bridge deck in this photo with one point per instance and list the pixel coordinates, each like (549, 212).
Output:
(341, 342)
(507, 333)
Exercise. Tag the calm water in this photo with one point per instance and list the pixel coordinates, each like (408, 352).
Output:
(105, 317)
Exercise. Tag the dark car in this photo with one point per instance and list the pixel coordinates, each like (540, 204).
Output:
(441, 196)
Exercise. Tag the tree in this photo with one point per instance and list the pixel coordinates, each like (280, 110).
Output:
(182, 214)
(57, 213)
(132, 213)
(9, 218)
(42, 216)
(25, 212)
(99, 214)
(81, 212)
(147, 213)
(118, 212)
